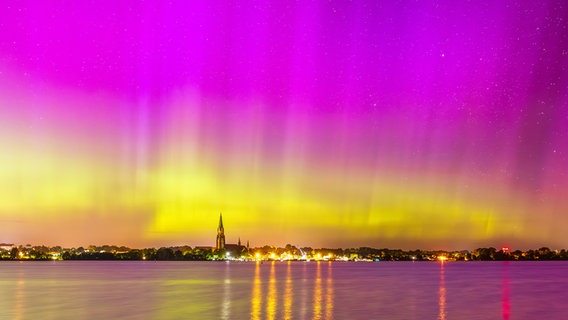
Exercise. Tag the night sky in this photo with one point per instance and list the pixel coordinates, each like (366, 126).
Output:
(402, 124)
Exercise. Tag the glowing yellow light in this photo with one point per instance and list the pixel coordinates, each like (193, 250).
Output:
(318, 294)
(442, 258)
(186, 177)
(288, 294)
(256, 301)
(272, 298)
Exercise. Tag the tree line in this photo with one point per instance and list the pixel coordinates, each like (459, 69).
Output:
(289, 252)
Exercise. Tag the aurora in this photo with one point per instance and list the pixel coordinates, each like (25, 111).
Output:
(330, 124)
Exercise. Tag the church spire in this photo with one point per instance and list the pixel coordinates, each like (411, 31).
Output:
(220, 243)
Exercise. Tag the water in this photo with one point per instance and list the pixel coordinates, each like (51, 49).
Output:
(281, 290)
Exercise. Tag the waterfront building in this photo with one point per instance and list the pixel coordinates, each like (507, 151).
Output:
(231, 250)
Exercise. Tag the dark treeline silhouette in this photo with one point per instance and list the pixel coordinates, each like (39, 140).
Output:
(289, 252)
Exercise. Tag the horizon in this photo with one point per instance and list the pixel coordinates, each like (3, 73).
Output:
(405, 125)
(509, 249)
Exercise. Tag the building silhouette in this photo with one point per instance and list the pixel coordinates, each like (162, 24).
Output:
(234, 250)
(220, 243)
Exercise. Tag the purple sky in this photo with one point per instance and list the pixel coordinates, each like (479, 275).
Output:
(332, 123)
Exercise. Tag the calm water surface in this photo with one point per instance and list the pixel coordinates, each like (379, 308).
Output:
(283, 290)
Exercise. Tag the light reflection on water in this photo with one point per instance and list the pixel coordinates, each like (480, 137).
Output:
(271, 300)
(282, 290)
(288, 292)
(442, 302)
(19, 305)
(505, 305)
(329, 293)
(317, 293)
(256, 293)
(226, 308)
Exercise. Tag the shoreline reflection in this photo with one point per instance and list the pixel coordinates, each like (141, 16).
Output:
(288, 293)
(442, 293)
(226, 307)
(505, 292)
(283, 290)
(256, 301)
(271, 299)
(317, 293)
(19, 305)
(329, 293)
(319, 285)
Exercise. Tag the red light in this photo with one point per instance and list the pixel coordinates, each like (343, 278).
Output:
(505, 249)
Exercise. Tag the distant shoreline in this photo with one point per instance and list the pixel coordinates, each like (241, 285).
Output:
(9, 252)
(278, 261)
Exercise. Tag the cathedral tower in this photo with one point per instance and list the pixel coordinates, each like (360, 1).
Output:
(220, 244)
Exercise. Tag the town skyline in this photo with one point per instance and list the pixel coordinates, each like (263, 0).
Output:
(289, 252)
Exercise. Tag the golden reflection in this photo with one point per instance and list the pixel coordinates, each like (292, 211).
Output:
(329, 293)
(256, 294)
(288, 293)
(304, 292)
(226, 306)
(317, 293)
(322, 300)
(20, 297)
(271, 299)
(442, 302)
